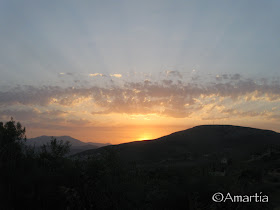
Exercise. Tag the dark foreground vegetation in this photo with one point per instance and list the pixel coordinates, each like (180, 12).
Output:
(180, 171)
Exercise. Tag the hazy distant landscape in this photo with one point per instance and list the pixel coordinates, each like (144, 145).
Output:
(76, 145)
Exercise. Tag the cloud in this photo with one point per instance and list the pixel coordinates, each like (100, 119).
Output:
(47, 119)
(167, 82)
(97, 74)
(27, 113)
(170, 98)
(242, 113)
(66, 73)
(235, 77)
(116, 75)
(22, 115)
(174, 74)
(225, 76)
(219, 78)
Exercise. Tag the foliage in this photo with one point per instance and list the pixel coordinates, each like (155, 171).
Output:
(12, 135)
(49, 179)
(11, 131)
(55, 149)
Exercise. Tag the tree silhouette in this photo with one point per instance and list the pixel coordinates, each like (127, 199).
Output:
(55, 149)
(12, 136)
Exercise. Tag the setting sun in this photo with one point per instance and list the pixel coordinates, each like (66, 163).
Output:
(145, 137)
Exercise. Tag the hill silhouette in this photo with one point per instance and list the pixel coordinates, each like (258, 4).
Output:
(234, 141)
(182, 170)
(76, 145)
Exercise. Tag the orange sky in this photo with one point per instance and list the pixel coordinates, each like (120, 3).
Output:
(123, 110)
(113, 135)
(121, 134)
(122, 71)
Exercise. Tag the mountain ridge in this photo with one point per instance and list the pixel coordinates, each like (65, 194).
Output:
(76, 145)
(75, 142)
(203, 139)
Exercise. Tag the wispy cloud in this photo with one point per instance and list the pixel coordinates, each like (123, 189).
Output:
(170, 98)
(96, 74)
(174, 74)
(116, 75)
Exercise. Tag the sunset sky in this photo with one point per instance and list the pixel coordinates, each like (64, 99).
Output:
(119, 71)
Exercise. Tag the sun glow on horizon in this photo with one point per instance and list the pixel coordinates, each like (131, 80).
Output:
(145, 138)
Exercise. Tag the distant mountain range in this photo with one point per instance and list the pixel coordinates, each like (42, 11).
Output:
(199, 141)
(184, 169)
(76, 145)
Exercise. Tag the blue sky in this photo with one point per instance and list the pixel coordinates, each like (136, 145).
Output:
(40, 39)
(114, 63)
